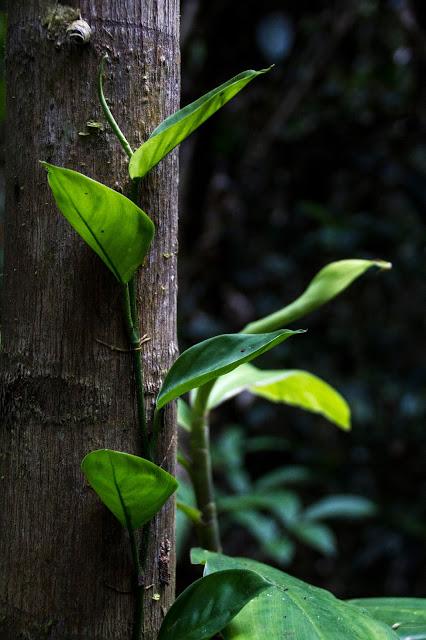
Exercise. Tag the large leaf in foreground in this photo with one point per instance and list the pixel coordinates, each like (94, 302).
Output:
(174, 129)
(291, 608)
(111, 224)
(326, 285)
(289, 386)
(133, 488)
(210, 603)
(406, 615)
(214, 357)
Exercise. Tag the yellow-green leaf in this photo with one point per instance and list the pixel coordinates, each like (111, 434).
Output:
(111, 224)
(174, 129)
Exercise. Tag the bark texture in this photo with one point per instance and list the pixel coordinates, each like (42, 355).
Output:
(65, 565)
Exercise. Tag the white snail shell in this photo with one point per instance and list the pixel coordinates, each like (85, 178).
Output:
(79, 32)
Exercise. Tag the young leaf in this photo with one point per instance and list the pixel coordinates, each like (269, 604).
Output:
(345, 507)
(133, 488)
(210, 603)
(292, 609)
(177, 127)
(111, 224)
(214, 357)
(289, 386)
(326, 285)
(406, 615)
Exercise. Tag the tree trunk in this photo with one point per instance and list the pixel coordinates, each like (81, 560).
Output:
(65, 566)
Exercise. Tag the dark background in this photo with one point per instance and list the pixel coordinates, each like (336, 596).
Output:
(324, 158)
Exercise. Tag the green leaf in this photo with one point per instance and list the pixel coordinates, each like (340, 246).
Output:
(111, 224)
(288, 386)
(341, 506)
(132, 488)
(207, 360)
(293, 474)
(177, 127)
(317, 536)
(184, 416)
(292, 609)
(406, 615)
(326, 285)
(210, 603)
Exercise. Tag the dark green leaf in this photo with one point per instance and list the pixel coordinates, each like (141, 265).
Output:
(406, 615)
(207, 360)
(292, 609)
(184, 414)
(111, 224)
(132, 488)
(293, 474)
(209, 604)
(326, 285)
(181, 124)
(341, 506)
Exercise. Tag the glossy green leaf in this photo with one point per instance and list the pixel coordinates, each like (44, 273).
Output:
(407, 616)
(177, 127)
(326, 285)
(207, 360)
(210, 603)
(341, 506)
(111, 224)
(133, 488)
(289, 386)
(291, 608)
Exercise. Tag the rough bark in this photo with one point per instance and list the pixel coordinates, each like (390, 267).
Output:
(65, 566)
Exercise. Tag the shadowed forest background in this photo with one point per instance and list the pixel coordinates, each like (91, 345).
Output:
(324, 158)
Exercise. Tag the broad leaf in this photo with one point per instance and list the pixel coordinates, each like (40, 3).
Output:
(291, 608)
(177, 127)
(289, 386)
(210, 603)
(341, 506)
(326, 285)
(406, 615)
(132, 488)
(207, 360)
(111, 224)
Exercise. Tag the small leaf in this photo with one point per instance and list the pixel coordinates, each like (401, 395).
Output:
(406, 615)
(346, 507)
(317, 536)
(293, 474)
(207, 360)
(111, 224)
(133, 488)
(326, 285)
(289, 386)
(291, 608)
(210, 603)
(177, 127)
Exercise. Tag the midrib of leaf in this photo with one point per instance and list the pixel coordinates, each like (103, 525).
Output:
(101, 247)
(123, 506)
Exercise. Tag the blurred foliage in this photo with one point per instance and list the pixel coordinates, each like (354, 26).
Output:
(268, 511)
(323, 159)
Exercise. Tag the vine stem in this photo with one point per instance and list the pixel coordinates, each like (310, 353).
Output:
(201, 471)
(107, 112)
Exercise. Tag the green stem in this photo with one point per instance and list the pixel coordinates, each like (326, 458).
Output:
(201, 471)
(107, 112)
(134, 339)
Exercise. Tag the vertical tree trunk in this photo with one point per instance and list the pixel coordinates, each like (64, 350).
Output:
(65, 567)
